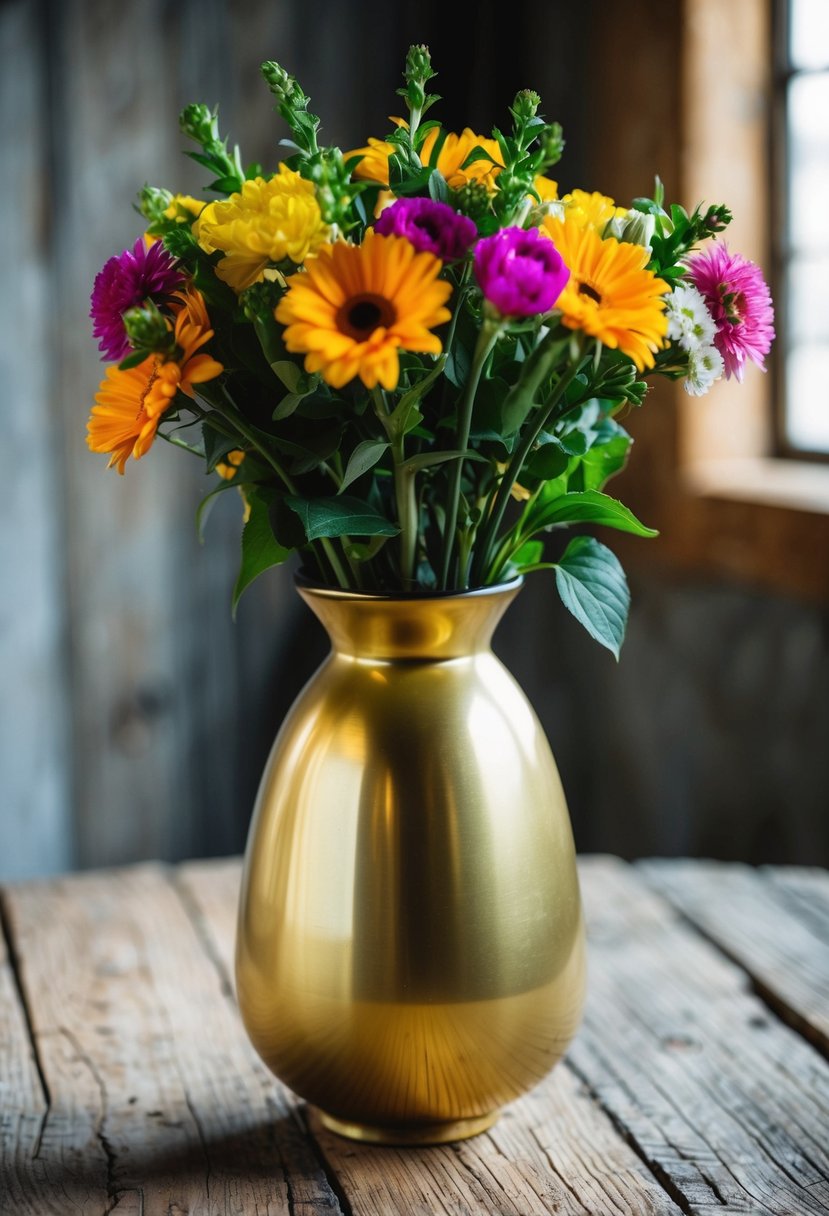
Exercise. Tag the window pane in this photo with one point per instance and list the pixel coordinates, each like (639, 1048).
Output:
(808, 160)
(807, 412)
(808, 298)
(810, 33)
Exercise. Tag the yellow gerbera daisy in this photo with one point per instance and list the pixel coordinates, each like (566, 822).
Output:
(357, 305)
(130, 404)
(610, 294)
(267, 222)
(591, 210)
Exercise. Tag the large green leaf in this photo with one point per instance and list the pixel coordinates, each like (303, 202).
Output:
(592, 585)
(260, 548)
(603, 460)
(340, 516)
(589, 507)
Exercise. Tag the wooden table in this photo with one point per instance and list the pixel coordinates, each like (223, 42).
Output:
(698, 1083)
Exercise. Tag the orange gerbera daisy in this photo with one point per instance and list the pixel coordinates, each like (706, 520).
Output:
(610, 294)
(357, 305)
(130, 404)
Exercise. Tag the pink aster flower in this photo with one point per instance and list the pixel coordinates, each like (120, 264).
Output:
(430, 226)
(125, 280)
(739, 302)
(520, 273)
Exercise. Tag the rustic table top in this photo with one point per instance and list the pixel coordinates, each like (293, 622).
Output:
(698, 1082)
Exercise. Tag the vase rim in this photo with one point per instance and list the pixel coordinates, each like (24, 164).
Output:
(304, 583)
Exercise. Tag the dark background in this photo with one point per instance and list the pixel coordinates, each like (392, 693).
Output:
(136, 716)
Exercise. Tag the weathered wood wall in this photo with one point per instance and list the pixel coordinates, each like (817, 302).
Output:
(136, 716)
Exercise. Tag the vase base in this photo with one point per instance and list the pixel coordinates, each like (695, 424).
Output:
(439, 1132)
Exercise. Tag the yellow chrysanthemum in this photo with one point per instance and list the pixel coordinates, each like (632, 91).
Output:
(546, 188)
(267, 222)
(357, 305)
(610, 294)
(130, 404)
(591, 210)
(183, 209)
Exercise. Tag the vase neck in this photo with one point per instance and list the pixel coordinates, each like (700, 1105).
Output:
(416, 627)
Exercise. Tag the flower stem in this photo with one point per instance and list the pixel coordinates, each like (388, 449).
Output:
(486, 340)
(242, 427)
(404, 491)
(483, 564)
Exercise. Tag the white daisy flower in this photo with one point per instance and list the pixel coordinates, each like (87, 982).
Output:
(689, 321)
(705, 365)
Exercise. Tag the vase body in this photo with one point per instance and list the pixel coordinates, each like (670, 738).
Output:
(410, 948)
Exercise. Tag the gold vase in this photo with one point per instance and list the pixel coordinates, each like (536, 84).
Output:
(410, 949)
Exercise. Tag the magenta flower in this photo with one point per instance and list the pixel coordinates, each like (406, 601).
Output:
(430, 226)
(740, 303)
(520, 273)
(125, 280)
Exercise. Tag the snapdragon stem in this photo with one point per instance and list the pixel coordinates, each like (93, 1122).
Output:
(486, 340)
(483, 564)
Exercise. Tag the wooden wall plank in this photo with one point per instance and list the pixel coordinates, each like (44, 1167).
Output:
(35, 815)
(120, 989)
(751, 918)
(728, 1106)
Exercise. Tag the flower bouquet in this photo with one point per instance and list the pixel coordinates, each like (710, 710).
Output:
(412, 358)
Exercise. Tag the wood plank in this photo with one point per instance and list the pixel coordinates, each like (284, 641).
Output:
(145, 1057)
(727, 1105)
(759, 924)
(38, 1170)
(553, 1151)
(35, 827)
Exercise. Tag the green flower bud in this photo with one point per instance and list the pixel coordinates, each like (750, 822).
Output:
(260, 299)
(418, 65)
(284, 87)
(472, 200)
(525, 105)
(551, 140)
(638, 228)
(147, 329)
(198, 124)
(153, 202)
(717, 218)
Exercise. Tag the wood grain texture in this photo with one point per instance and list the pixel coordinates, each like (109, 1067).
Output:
(763, 925)
(154, 1088)
(728, 1106)
(34, 817)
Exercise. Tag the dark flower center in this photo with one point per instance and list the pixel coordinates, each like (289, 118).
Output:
(361, 315)
(586, 290)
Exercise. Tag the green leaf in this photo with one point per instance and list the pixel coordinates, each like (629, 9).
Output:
(363, 458)
(425, 460)
(340, 516)
(589, 507)
(604, 459)
(405, 417)
(458, 363)
(260, 548)
(592, 585)
(529, 554)
(438, 190)
(216, 445)
(289, 373)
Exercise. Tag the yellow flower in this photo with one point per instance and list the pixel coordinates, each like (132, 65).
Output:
(375, 163)
(229, 467)
(267, 222)
(183, 209)
(546, 189)
(591, 210)
(610, 294)
(357, 305)
(130, 404)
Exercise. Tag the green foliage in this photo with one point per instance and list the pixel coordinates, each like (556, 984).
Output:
(260, 548)
(592, 585)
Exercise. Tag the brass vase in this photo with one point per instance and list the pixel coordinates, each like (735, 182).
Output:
(410, 950)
